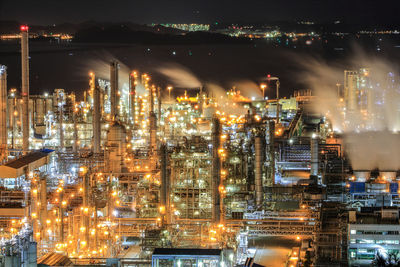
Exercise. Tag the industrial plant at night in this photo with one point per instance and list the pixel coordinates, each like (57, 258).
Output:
(131, 172)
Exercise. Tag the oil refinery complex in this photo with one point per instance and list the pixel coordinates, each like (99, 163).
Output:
(137, 176)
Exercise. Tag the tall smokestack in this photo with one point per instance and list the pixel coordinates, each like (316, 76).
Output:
(216, 172)
(314, 156)
(132, 96)
(114, 98)
(3, 109)
(96, 114)
(25, 87)
(258, 146)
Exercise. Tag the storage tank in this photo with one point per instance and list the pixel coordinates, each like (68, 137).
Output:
(116, 147)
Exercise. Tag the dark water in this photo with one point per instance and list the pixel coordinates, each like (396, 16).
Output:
(67, 65)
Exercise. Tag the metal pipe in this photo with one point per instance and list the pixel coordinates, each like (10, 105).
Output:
(25, 87)
(258, 146)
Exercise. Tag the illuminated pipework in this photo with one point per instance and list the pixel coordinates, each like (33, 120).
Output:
(132, 97)
(197, 191)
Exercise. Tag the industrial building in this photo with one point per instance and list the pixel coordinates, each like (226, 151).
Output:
(122, 173)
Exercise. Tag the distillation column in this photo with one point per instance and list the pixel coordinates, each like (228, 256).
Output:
(216, 171)
(25, 88)
(258, 146)
(3, 111)
(114, 97)
(96, 116)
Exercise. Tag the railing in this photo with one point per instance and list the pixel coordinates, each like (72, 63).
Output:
(102, 261)
(275, 227)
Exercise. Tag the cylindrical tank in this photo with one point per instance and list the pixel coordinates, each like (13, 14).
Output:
(116, 144)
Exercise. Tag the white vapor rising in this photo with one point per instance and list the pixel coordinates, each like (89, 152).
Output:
(100, 65)
(224, 103)
(180, 76)
(371, 138)
(248, 88)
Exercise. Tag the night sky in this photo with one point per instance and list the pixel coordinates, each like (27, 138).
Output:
(199, 11)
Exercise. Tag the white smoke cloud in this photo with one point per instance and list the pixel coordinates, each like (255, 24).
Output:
(180, 76)
(371, 139)
(248, 88)
(224, 103)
